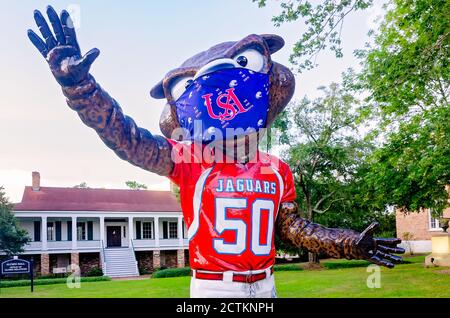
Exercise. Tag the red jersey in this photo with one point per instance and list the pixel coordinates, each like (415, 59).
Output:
(230, 208)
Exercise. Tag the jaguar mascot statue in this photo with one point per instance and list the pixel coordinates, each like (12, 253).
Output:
(234, 197)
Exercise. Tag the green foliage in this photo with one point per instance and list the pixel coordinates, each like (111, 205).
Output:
(94, 272)
(323, 21)
(325, 152)
(328, 154)
(411, 280)
(407, 68)
(12, 237)
(172, 272)
(82, 185)
(407, 75)
(143, 270)
(287, 267)
(134, 185)
(49, 281)
(175, 190)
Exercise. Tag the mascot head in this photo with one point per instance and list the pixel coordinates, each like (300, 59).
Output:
(231, 90)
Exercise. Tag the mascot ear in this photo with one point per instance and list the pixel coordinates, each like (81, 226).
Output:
(157, 91)
(274, 42)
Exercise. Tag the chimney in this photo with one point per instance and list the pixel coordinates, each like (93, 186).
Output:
(36, 180)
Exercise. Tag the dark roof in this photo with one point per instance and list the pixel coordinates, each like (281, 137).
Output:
(108, 200)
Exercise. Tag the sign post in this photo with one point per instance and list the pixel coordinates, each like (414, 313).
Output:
(18, 266)
(32, 273)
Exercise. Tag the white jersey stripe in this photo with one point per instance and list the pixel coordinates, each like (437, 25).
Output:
(280, 180)
(197, 201)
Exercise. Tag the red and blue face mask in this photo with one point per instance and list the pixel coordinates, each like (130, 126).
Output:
(224, 104)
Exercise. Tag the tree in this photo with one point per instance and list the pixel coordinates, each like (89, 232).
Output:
(324, 21)
(82, 185)
(134, 185)
(12, 237)
(407, 77)
(327, 152)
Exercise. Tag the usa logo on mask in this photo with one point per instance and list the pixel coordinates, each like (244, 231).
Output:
(228, 101)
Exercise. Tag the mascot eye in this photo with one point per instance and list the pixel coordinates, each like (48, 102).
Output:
(178, 87)
(250, 59)
(242, 60)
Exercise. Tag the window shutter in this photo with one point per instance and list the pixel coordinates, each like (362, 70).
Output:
(58, 230)
(37, 231)
(69, 230)
(165, 230)
(90, 230)
(50, 233)
(138, 230)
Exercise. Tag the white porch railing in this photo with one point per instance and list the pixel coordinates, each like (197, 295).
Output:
(144, 243)
(94, 244)
(62, 245)
(59, 245)
(169, 242)
(33, 246)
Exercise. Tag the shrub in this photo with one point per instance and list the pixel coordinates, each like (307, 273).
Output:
(94, 272)
(143, 270)
(287, 267)
(49, 281)
(52, 276)
(172, 272)
(345, 264)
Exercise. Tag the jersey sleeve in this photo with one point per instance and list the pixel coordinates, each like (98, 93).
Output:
(289, 193)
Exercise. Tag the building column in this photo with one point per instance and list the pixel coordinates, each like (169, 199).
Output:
(156, 259)
(180, 231)
(45, 264)
(74, 233)
(102, 230)
(156, 225)
(44, 233)
(130, 230)
(180, 258)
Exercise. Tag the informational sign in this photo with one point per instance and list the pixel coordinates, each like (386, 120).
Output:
(16, 266)
(59, 270)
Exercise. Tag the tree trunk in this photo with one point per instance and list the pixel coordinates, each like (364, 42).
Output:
(313, 258)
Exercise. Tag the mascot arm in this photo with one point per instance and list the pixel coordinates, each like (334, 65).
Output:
(336, 243)
(119, 132)
(96, 108)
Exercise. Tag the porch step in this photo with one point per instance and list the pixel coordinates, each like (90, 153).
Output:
(120, 262)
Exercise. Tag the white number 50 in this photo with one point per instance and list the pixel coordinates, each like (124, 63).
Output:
(240, 228)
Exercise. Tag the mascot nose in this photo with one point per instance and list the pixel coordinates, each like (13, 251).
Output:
(216, 65)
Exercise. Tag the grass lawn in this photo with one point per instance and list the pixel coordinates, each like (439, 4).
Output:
(406, 280)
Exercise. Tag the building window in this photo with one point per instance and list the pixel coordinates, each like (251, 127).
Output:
(81, 231)
(147, 230)
(50, 231)
(434, 223)
(173, 230)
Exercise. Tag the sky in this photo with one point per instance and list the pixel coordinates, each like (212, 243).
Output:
(139, 42)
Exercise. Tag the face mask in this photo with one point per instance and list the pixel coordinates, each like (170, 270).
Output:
(224, 104)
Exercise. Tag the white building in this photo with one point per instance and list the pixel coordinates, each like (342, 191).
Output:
(120, 231)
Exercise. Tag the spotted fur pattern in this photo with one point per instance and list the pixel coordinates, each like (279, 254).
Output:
(299, 232)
